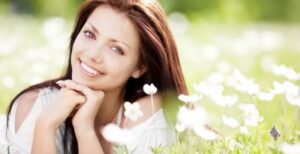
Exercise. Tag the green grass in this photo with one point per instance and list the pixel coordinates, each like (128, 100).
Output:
(31, 48)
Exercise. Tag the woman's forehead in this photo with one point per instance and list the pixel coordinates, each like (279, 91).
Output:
(114, 25)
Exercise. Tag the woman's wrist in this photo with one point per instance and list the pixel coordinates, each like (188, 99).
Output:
(84, 134)
(84, 127)
(44, 137)
(45, 123)
(84, 130)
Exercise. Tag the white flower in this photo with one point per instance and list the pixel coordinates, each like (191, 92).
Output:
(189, 99)
(132, 111)
(290, 88)
(251, 115)
(215, 92)
(244, 130)
(231, 122)
(285, 71)
(194, 119)
(215, 78)
(238, 76)
(248, 87)
(233, 144)
(179, 127)
(115, 134)
(252, 120)
(278, 88)
(290, 148)
(205, 133)
(242, 84)
(265, 96)
(293, 100)
(150, 89)
(209, 89)
(248, 109)
(224, 100)
(286, 87)
(191, 118)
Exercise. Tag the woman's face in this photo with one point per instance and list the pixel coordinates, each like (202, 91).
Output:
(105, 53)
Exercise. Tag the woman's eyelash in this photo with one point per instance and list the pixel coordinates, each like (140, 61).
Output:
(89, 34)
(118, 50)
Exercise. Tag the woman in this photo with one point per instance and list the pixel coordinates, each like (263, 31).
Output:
(116, 47)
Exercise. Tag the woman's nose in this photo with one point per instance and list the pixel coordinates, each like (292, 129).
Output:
(95, 53)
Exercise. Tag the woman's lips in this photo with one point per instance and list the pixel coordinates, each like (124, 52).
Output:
(88, 70)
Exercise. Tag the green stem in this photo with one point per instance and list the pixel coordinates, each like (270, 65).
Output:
(152, 102)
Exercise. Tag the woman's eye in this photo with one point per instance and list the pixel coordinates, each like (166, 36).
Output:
(88, 34)
(118, 50)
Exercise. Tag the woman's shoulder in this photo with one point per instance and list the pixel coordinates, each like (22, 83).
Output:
(26, 101)
(29, 97)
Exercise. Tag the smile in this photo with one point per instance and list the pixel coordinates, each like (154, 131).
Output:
(89, 71)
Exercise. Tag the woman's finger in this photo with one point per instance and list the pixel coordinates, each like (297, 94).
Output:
(76, 108)
(61, 83)
(80, 88)
(84, 90)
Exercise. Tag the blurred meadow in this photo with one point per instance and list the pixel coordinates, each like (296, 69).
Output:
(240, 60)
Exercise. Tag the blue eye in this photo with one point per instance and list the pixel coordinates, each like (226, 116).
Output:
(118, 50)
(89, 34)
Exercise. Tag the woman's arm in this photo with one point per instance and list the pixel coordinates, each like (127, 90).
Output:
(44, 137)
(24, 107)
(88, 141)
(84, 119)
(52, 117)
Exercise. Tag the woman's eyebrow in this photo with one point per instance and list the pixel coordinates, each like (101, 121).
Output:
(112, 39)
(94, 28)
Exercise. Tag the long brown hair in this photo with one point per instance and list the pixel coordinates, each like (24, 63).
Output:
(158, 53)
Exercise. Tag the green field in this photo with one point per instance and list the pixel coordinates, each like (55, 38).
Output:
(33, 49)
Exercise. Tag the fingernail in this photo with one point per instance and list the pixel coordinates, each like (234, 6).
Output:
(61, 84)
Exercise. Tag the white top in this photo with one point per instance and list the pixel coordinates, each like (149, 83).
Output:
(153, 132)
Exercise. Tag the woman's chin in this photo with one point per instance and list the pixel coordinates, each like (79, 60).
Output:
(85, 83)
(81, 81)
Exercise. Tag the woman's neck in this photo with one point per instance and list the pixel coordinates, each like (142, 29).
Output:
(110, 106)
(106, 114)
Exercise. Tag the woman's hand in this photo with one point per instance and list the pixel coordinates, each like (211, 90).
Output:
(84, 117)
(61, 107)
(53, 115)
(74, 100)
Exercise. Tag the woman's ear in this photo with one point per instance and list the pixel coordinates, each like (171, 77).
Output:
(139, 72)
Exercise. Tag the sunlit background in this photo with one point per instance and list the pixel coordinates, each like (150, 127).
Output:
(256, 41)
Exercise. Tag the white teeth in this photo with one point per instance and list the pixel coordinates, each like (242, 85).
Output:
(89, 69)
